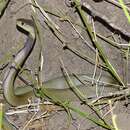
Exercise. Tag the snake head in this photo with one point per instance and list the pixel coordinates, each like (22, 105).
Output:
(26, 26)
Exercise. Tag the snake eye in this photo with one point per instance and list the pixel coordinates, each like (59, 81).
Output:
(22, 23)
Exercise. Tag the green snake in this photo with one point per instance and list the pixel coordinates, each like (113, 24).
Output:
(58, 87)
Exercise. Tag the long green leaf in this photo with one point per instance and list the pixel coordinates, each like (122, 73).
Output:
(125, 10)
(1, 115)
(3, 6)
(42, 93)
(103, 56)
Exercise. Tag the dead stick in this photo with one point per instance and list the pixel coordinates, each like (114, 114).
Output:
(94, 13)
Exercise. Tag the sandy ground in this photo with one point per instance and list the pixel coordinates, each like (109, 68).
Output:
(12, 41)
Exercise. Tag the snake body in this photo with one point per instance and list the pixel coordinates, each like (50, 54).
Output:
(19, 60)
(57, 87)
